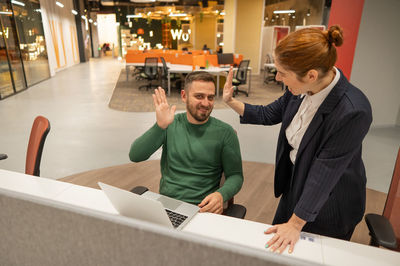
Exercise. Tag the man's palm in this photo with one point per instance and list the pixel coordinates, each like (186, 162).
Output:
(164, 113)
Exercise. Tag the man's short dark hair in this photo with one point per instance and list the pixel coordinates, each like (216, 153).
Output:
(198, 76)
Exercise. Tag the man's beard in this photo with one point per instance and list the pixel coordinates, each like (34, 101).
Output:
(200, 117)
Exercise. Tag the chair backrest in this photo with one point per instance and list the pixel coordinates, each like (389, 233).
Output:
(225, 59)
(164, 69)
(392, 205)
(40, 129)
(241, 74)
(151, 67)
(269, 59)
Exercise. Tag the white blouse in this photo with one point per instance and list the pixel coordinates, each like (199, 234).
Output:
(295, 131)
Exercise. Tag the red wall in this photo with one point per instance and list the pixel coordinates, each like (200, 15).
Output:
(347, 14)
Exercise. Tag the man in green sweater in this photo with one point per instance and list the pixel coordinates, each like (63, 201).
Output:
(197, 148)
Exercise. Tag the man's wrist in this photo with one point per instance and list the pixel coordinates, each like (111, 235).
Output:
(162, 126)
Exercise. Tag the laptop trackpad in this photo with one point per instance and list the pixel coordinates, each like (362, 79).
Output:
(169, 203)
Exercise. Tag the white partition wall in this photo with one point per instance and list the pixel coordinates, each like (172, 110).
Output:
(376, 60)
(60, 33)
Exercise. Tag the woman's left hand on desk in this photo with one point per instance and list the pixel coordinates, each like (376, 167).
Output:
(285, 234)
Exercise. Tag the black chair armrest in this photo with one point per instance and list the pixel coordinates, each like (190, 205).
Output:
(235, 210)
(139, 190)
(3, 156)
(381, 231)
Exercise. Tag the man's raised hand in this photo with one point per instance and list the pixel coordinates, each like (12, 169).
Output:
(164, 113)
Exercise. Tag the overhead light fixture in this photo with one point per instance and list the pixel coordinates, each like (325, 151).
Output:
(284, 11)
(17, 3)
(178, 15)
(38, 10)
(83, 17)
(143, 1)
(6, 12)
(222, 13)
(74, 12)
(59, 4)
(134, 16)
(95, 23)
(90, 20)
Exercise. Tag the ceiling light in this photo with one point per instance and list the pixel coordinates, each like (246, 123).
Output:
(178, 15)
(59, 4)
(17, 3)
(284, 11)
(222, 13)
(6, 12)
(143, 1)
(74, 12)
(134, 16)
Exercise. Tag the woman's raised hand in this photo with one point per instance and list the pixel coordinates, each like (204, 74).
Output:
(164, 113)
(228, 88)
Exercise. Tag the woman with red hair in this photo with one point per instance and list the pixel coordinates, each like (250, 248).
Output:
(319, 172)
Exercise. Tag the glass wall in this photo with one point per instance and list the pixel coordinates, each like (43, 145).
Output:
(9, 46)
(23, 56)
(31, 39)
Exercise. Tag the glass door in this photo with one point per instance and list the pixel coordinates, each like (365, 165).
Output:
(6, 83)
(9, 44)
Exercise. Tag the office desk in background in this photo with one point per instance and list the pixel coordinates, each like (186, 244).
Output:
(313, 248)
(185, 69)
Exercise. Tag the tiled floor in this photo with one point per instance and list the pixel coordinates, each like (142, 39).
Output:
(85, 134)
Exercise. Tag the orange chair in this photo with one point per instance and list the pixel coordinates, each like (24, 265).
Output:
(40, 129)
(385, 229)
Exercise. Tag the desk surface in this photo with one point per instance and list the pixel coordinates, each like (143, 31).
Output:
(321, 249)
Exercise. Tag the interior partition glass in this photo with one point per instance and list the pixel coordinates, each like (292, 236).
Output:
(28, 19)
(6, 84)
(10, 42)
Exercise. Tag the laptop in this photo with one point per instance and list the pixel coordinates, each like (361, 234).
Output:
(151, 207)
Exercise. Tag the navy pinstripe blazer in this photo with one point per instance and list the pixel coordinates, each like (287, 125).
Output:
(326, 186)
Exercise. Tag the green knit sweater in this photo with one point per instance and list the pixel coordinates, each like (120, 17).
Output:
(193, 158)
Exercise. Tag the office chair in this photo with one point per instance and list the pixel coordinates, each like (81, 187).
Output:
(269, 70)
(39, 131)
(230, 209)
(173, 76)
(150, 72)
(241, 77)
(385, 229)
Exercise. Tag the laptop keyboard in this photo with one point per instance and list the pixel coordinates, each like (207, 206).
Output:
(176, 218)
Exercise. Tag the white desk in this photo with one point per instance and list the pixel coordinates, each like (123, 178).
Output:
(315, 248)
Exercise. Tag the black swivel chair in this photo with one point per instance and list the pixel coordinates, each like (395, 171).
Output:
(150, 72)
(173, 76)
(385, 229)
(270, 70)
(241, 77)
